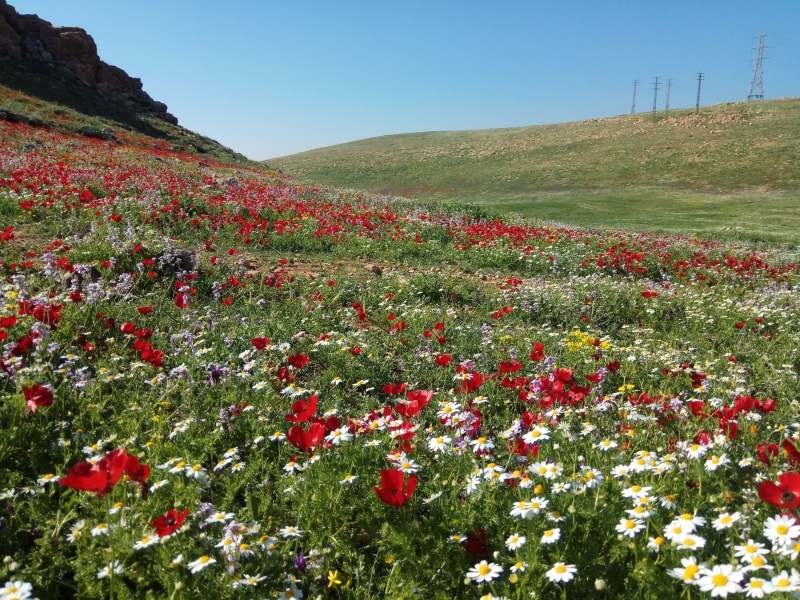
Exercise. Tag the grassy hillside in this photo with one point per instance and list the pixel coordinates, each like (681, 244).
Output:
(731, 171)
(58, 99)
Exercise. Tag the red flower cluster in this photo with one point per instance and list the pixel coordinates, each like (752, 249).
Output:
(414, 403)
(103, 475)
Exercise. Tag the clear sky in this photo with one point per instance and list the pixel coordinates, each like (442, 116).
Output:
(275, 78)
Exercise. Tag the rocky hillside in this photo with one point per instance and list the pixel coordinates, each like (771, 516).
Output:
(35, 42)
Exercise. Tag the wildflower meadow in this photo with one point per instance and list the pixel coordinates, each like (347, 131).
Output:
(220, 382)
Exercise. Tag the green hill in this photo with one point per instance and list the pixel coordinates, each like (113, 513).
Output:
(731, 171)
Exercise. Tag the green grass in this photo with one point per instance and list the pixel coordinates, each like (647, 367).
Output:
(730, 172)
(769, 217)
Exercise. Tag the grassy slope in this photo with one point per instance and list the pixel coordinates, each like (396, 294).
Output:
(732, 171)
(61, 101)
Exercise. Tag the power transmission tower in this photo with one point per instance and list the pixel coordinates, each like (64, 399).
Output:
(633, 104)
(669, 85)
(700, 78)
(655, 95)
(757, 83)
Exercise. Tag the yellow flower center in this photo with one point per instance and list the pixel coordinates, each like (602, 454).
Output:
(484, 570)
(719, 580)
(690, 572)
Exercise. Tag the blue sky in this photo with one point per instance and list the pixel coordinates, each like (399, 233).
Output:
(274, 78)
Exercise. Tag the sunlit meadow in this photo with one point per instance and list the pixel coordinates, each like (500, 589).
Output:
(218, 382)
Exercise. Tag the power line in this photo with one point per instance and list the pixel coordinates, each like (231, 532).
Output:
(669, 85)
(757, 83)
(655, 95)
(700, 78)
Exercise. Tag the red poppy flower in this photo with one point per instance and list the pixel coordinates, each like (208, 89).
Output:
(305, 440)
(260, 342)
(136, 470)
(303, 410)
(181, 300)
(649, 295)
(767, 405)
(784, 495)
(128, 327)
(509, 366)
(476, 544)
(169, 522)
(394, 389)
(114, 464)
(394, 490)
(444, 359)
(521, 448)
(86, 477)
(538, 352)
(792, 452)
(697, 408)
(99, 477)
(138, 473)
(594, 377)
(145, 310)
(767, 452)
(37, 396)
(154, 357)
(298, 361)
(416, 401)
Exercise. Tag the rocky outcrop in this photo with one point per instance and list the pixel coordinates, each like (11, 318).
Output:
(27, 37)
